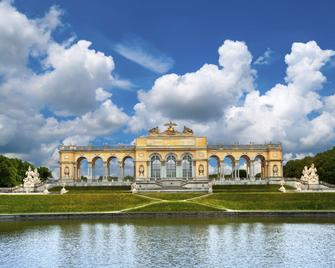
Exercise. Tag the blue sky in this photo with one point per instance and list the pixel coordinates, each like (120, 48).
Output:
(149, 39)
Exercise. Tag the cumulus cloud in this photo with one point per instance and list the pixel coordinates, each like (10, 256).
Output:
(70, 82)
(202, 95)
(223, 104)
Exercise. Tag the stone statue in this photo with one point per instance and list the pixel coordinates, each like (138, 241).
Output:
(31, 179)
(201, 170)
(282, 188)
(141, 170)
(309, 175)
(134, 188)
(63, 190)
(210, 187)
(187, 131)
(154, 131)
(170, 130)
(275, 170)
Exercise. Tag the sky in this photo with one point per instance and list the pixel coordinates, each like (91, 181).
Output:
(104, 72)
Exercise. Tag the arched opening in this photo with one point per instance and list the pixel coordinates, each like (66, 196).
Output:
(155, 164)
(259, 171)
(214, 169)
(187, 166)
(113, 169)
(128, 169)
(82, 169)
(244, 167)
(228, 167)
(171, 166)
(97, 169)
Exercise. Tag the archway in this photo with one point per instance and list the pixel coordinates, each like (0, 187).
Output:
(97, 169)
(228, 167)
(155, 167)
(259, 171)
(113, 169)
(82, 169)
(128, 169)
(214, 169)
(244, 167)
(171, 166)
(187, 166)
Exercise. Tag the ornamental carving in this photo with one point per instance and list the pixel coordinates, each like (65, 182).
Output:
(201, 170)
(141, 171)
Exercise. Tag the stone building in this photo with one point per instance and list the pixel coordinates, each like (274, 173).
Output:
(172, 155)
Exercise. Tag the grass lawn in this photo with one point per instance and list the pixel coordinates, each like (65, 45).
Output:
(234, 197)
(270, 201)
(75, 202)
(174, 206)
(172, 196)
(248, 188)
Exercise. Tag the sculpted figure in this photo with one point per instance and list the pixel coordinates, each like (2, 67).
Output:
(154, 130)
(187, 130)
(201, 170)
(309, 175)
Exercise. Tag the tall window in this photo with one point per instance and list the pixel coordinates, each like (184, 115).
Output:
(155, 167)
(171, 167)
(187, 166)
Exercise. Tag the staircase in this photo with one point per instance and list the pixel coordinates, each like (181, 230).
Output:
(173, 185)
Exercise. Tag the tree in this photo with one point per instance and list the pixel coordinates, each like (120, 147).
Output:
(45, 173)
(324, 162)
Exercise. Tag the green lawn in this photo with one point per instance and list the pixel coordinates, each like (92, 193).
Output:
(75, 202)
(174, 206)
(172, 196)
(270, 201)
(248, 188)
(241, 197)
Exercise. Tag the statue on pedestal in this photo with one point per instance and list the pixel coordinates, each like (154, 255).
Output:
(31, 179)
(282, 188)
(309, 175)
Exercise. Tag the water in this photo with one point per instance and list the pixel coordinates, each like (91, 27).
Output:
(169, 243)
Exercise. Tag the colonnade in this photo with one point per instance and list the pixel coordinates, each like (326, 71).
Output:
(106, 172)
(236, 168)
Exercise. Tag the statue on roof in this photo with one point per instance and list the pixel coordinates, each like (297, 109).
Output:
(187, 131)
(154, 131)
(170, 130)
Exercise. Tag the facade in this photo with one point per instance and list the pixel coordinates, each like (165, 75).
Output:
(171, 155)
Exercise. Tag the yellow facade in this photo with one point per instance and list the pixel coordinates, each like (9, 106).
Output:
(171, 155)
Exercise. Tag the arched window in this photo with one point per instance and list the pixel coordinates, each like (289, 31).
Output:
(171, 167)
(187, 166)
(155, 167)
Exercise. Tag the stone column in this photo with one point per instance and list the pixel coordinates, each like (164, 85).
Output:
(237, 170)
(74, 172)
(121, 174)
(194, 165)
(163, 169)
(89, 171)
(252, 170)
(179, 171)
(222, 170)
(104, 177)
(148, 170)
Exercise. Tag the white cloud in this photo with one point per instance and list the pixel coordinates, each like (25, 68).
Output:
(70, 82)
(214, 104)
(101, 94)
(265, 58)
(200, 96)
(139, 51)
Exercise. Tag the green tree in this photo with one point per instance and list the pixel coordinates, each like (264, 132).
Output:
(324, 162)
(45, 173)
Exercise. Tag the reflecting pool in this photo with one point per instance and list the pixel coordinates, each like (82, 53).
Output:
(234, 242)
